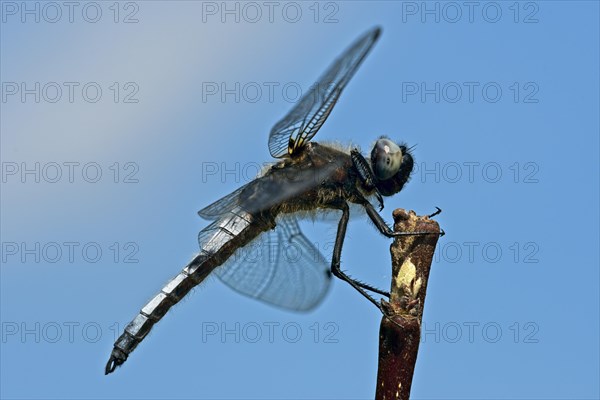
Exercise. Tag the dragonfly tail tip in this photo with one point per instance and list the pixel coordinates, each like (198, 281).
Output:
(114, 361)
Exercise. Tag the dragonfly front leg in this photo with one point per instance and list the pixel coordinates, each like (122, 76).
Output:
(337, 254)
(366, 174)
(383, 227)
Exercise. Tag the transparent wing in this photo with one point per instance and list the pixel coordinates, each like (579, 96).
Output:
(223, 205)
(274, 188)
(281, 267)
(306, 118)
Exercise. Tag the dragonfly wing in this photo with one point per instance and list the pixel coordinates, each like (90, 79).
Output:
(222, 206)
(281, 267)
(271, 189)
(306, 118)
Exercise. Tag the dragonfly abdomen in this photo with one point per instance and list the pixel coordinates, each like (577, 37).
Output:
(218, 242)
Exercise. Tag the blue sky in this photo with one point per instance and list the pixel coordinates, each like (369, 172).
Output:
(119, 122)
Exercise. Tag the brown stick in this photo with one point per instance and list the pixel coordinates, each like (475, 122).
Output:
(400, 330)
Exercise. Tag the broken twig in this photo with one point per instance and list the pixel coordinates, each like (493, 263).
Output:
(400, 330)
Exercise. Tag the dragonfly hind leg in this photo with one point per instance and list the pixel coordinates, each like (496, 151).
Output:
(369, 287)
(337, 253)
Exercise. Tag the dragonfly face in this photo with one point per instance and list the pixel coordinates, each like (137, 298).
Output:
(260, 217)
(392, 165)
(386, 158)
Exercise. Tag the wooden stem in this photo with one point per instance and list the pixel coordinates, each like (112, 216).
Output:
(400, 329)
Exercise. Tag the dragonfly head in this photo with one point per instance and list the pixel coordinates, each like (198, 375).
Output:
(392, 165)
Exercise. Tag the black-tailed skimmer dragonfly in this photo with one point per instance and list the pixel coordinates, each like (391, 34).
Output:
(262, 214)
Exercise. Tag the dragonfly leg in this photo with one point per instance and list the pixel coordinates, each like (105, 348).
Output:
(366, 174)
(383, 227)
(337, 253)
(371, 288)
(438, 211)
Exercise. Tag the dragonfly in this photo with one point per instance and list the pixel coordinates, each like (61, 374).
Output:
(308, 178)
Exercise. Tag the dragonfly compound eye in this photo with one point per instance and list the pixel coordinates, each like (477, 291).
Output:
(386, 158)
